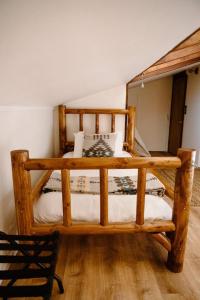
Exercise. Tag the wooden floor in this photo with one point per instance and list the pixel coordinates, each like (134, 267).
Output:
(160, 153)
(127, 267)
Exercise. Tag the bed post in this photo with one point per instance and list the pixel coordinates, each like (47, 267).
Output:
(131, 128)
(182, 197)
(62, 128)
(22, 191)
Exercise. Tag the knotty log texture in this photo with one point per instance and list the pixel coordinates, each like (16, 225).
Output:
(22, 191)
(182, 198)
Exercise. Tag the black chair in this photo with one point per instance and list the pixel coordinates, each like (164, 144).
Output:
(36, 258)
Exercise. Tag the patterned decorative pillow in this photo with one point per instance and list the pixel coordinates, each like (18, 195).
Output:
(99, 145)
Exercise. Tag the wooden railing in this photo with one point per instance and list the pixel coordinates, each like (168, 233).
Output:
(21, 176)
(25, 195)
(129, 131)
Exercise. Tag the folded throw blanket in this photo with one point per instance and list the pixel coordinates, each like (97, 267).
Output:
(116, 185)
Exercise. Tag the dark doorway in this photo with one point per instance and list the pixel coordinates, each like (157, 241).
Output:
(177, 112)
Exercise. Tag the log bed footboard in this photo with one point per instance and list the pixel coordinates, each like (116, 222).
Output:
(176, 229)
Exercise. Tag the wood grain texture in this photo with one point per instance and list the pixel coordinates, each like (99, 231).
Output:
(182, 198)
(103, 197)
(22, 191)
(141, 196)
(97, 123)
(107, 163)
(184, 54)
(103, 111)
(81, 122)
(66, 197)
(112, 123)
(62, 128)
(131, 128)
(125, 267)
(88, 228)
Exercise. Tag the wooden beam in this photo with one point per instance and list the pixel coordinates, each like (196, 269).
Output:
(151, 226)
(131, 128)
(81, 122)
(182, 198)
(141, 187)
(104, 197)
(96, 111)
(22, 191)
(97, 123)
(107, 163)
(66, 197)
(62, 128)
(184, 54)
(112, 123)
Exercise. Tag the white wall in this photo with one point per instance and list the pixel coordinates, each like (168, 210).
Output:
(112, 98)
(153, 112)
(20, 128)
(57, 50)
(191, 128)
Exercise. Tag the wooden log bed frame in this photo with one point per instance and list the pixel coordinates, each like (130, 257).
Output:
(171, 234)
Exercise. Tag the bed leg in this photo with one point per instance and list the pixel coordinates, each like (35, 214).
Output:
(182, 197)
(22, 191)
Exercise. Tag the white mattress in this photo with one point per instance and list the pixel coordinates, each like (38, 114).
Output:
(85, 207)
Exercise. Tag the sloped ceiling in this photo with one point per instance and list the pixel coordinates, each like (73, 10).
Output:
(54, 51)
(184, 55)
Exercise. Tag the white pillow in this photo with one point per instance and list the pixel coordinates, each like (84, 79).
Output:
(79, 140)
(78, 143)
(119, 143)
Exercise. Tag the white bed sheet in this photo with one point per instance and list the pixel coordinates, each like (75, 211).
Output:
(85, 207)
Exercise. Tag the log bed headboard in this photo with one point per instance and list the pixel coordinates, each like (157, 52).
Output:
(129, 129)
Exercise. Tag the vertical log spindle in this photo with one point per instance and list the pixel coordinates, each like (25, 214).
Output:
(66, 197)
(131, 128)
(182, 198)
(81, 122)
(22, 191)
(62, 128)
(112, 123)
(103, 197)
(97, 123)
(141, 187)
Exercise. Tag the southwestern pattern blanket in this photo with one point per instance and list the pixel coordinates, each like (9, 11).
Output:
(126, 185)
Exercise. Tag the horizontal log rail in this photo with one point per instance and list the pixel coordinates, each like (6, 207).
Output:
(151, 227)
(96, 111)
(99, 163)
